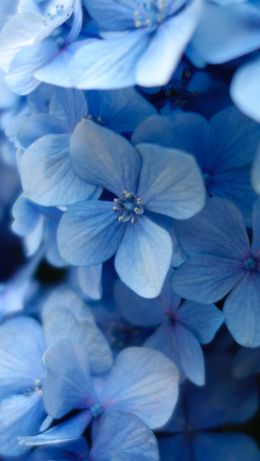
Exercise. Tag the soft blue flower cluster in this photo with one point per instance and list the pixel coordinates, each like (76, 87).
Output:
(130, 176)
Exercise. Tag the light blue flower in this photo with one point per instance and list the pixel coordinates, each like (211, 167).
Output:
(142, 42)
(222, 262)
(148, 179)
(33, 41)
(181, 326)
(224, 148)
(141, 382)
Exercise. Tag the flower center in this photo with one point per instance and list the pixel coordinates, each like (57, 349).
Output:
(250, 264)
(129, 207)
(96, 410)
(150, 13)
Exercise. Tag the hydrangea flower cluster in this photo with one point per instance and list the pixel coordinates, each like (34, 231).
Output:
(130, 230)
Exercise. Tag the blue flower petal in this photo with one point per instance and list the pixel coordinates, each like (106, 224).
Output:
(206, 279)
(217, 230)
(69, 105)
(120, 110)
(245, 89)
(85, 332)
(180, 346)
(124, 436)
(142, 382)
(89, 233)
(231, 31)
(202, 319)
(144, 256)
(63, 432)
(110, 63)
(39, 125)
(104, 158)
(242, 313)
(90, 281)
(53, 182)
(20, 415)
(20, 78)
(160, 59)
(21, 349)
(137, 310)
(71, 388)
(170, 182)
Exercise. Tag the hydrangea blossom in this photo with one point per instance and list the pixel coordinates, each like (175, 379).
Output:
(147, 179)
(223, 263)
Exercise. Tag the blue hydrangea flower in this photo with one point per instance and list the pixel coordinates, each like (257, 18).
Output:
(141, 382)
(45, 39)
(22, 370)
(224, 148)
(181, 327)
(46, 140)
(193, 432)
(142, 43)
(148, 179)
(222, 262)
(119, 436)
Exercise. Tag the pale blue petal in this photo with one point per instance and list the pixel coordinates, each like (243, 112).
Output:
(90, 281)
(123, 436)
(217, 230)
(144, 256)
(20, 78)
(39, 125)
(245, 89)
(120, 110)
(235, 186)
(21, 349)
(26, 216)
(20, 31)
(170, 182)
(110, 63)
(53, 182)
(160, 59)
(203, 320)
(69, 105)
(89, 233)
(104, 158)
(20, 415)
(58, 70)
(231, 31)
(206, 279)
(180, 346)
(61, 323)
(241, 311)
(71, 388)
(64, 432)
(181, 130)
(142, 382)
(234, 139)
